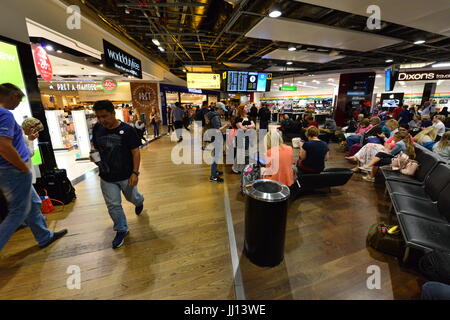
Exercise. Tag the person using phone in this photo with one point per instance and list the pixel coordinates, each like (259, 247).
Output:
(24, 204)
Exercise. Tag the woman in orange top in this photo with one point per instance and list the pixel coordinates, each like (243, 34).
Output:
(279, 159)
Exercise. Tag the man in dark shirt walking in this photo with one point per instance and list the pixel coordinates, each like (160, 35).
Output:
(120, 158)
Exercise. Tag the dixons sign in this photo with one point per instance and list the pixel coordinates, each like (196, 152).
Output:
(424, 75)
(121, 61)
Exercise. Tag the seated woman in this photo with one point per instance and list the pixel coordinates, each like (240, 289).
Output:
(426, 137)
(313, 153)
(279, 159)
(442, 148)
(363, 128)
(414, 124)
(402, 144)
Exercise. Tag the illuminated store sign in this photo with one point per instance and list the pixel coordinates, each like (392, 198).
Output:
(121, 61)
(424, 75)
(73, 86)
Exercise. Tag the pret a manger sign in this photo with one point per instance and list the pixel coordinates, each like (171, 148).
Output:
(121, 61)
(424, 75)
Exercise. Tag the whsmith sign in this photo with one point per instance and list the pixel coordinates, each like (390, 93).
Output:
(423, 75)
(121, 61)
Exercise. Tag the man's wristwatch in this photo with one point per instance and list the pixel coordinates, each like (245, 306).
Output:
(136, 173)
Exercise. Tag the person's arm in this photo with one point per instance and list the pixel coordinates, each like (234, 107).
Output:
(327, 156)
(240, 126)
(251, 126)
(396, 150)
(134, 178)
(303, 153)
(10, 154)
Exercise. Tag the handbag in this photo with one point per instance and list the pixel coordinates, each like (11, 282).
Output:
(400, 161)
(47, 203)
(410, 168)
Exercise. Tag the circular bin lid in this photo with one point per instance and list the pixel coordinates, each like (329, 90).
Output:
(267, 190)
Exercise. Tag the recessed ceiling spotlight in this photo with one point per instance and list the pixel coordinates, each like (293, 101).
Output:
(289, 62)
(161, 49)
(275, 13)
(389, 60)
(379, 76)
(419, 42)
(184, 70)
(127, 11)
(292, 48)
(59, 51)
(156, 42)
(49, 47)
(101, 65)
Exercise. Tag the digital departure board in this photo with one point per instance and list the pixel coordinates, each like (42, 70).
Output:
(244, 81)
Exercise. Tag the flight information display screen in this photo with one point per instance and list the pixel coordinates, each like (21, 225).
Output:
(244, 81)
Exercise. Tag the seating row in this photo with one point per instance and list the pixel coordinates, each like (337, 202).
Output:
(422, 202)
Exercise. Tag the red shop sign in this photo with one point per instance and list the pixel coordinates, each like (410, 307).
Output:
(43, 64)
(109, 85)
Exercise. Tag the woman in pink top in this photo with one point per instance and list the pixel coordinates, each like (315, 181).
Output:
(279, 159)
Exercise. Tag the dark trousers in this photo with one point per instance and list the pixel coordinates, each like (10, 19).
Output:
(178, 128)
(264, 125)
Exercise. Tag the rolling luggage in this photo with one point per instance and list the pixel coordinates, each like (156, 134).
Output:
(57, 185)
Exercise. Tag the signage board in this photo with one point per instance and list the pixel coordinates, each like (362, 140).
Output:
(73, 86)
(144, 95)
(121, 61)
(42, 62)
(109, 85)
(244, 81)
(203, 80)
(422, 75)
(288, 88)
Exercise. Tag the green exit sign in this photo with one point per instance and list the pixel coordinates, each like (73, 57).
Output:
(288, 88)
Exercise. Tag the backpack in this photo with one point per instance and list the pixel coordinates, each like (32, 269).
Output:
(436, 266)
(198, 115)
(381, 240)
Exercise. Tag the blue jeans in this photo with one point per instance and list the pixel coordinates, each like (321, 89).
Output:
(24, 205)
(113, 199)
(353, 140)
(435, 291)
(156, 129)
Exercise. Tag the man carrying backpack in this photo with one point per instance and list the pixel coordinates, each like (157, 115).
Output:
(24, 204)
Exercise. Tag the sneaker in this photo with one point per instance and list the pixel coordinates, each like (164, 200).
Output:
(369, 178)
(216, 179)
(138, 209)
(119, 239)
(56, 236)
(219, 173)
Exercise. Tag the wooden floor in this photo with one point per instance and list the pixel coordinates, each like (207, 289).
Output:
(178, 248)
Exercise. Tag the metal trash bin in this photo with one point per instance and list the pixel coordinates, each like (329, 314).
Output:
(266, 207)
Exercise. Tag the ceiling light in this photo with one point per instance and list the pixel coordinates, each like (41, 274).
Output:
(101, 65)
(389, 60)
(184, 70)
(161, 49)
(331, 79)
(274, 13)
(49, 47)
(292, 48)
(378, 75)
(289, 62)
(419, 42)
(415, 65)
(441, 64)
(375, 87)
(156, 42)
(59, 51)
(127, 11)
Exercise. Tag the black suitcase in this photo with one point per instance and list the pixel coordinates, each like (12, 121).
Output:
(58, 186)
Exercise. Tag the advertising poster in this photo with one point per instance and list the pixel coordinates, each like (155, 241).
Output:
(11, 72)
(144, 97)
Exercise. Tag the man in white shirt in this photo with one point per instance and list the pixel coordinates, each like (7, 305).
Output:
(439, 125)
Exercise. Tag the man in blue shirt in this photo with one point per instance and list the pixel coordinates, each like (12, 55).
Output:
(24, 204)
